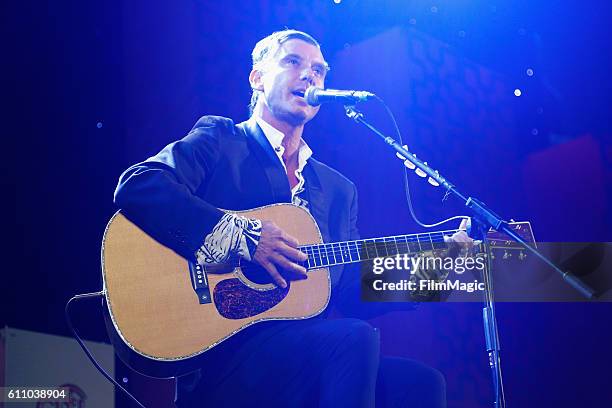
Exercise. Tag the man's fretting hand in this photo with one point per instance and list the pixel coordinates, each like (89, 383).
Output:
(276, 252)
(460, 241)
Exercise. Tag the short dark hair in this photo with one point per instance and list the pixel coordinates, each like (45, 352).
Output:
(267, 47)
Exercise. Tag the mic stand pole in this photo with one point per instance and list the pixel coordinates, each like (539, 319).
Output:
(489, 319)
(484, 219)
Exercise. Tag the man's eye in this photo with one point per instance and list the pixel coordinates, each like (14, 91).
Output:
(293, 61)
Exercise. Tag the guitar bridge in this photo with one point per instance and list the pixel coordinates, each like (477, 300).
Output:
(199, 281)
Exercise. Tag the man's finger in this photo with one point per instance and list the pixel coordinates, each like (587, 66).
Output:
(461, 236)
(289, 266)
(269, 266)
(465, 223)
(463, 239)
(291, 241)
(292, 253)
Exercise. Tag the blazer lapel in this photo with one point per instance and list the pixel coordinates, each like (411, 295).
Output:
(275, 173)
(319, 207)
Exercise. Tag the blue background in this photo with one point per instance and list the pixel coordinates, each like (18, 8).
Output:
(94, 87)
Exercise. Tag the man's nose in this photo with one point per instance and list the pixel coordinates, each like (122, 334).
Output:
(308, 74)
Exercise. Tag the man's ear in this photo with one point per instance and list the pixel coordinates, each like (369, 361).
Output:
(255, 80)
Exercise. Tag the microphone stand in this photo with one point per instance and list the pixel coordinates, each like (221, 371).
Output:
(483, 219)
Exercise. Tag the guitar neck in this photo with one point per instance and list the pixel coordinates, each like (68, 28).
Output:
(345, 252)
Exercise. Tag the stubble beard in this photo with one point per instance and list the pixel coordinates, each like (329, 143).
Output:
(292, 117)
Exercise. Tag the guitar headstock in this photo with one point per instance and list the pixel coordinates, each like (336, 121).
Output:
(501, 242)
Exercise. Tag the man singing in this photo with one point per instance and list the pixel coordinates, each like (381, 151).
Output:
(175, 196)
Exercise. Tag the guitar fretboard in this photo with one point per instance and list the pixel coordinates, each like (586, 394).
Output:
(339, 253)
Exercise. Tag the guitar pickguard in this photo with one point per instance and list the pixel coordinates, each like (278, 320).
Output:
(235, 300)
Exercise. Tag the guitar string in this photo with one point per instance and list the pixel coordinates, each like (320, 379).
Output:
(359, 248)
(346, 251)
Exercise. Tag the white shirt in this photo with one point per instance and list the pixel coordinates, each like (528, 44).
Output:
(275, 137)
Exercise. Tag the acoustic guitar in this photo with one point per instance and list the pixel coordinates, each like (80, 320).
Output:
(164, 311)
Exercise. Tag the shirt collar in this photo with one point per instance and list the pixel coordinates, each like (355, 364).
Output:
(275, 137)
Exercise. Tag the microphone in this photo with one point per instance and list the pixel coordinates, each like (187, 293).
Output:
(315, 96)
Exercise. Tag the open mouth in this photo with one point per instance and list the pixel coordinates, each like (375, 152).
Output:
(298, 93)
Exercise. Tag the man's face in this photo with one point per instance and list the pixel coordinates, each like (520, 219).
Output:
(283, 79)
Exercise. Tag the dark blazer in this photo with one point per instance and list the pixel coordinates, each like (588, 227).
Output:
(175, 195)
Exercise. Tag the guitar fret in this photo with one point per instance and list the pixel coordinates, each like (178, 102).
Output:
(439, 243)
(425, 242)
(325, 255)
(370, 249)
(331, 257)
(317, 255)
(311, 257)
(334, 253)
(380, 247)
(363, 250)
(344, 252)
(322, 254)
(310, 254)
(356, 251)
(405, 246)
(389, 247)
(414, 248)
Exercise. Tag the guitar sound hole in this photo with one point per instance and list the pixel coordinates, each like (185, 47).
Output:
(256, 273)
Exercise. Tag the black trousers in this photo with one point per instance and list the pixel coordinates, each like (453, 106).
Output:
(309, 363)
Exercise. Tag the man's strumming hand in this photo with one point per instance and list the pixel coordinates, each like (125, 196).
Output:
(277, 253)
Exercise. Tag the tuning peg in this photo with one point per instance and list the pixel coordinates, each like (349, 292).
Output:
(409, 164)
(432, 181)
(399, 155)
(522, 255)
(420, 172)
(507, 255)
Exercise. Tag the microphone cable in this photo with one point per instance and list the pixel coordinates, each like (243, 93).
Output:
(406, 182)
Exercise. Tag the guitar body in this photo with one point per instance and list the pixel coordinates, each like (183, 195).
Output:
(156, 321)
(161, 320)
